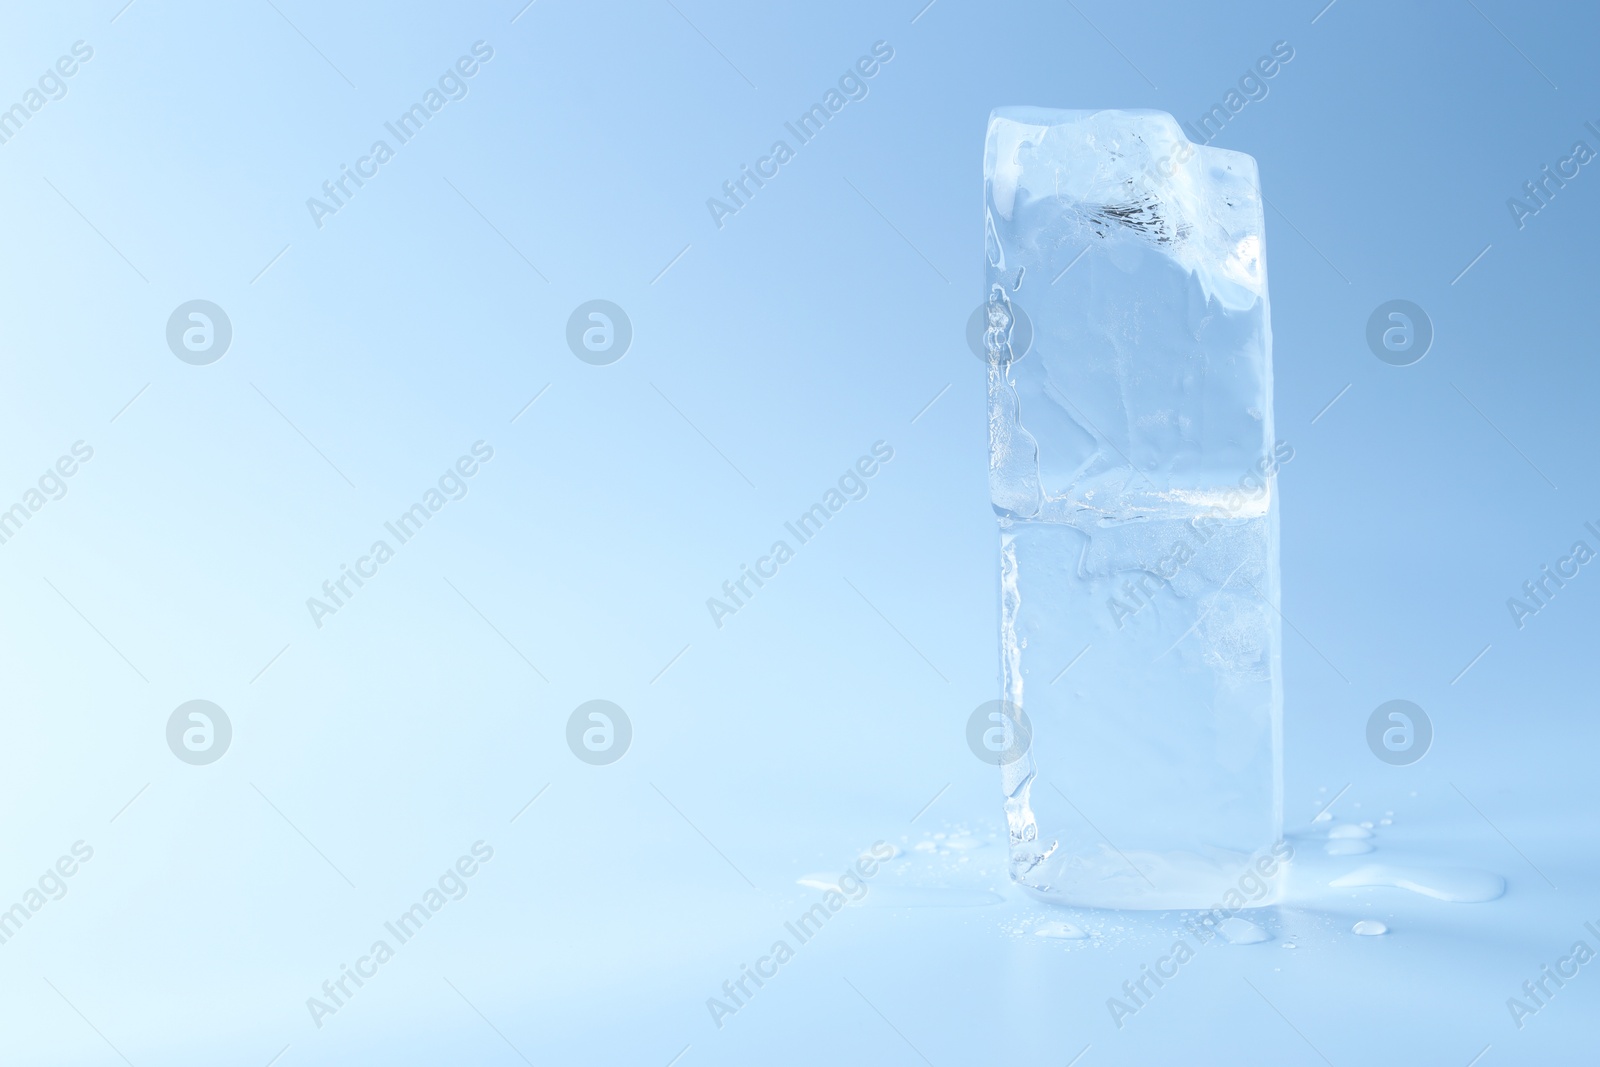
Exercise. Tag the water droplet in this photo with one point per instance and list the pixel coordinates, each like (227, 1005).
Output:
(1241, 931)
(1348, 831)
(1459, 885)
(1369, 928)
(1065, 931)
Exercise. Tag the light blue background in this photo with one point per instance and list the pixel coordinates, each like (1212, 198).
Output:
(821, 318)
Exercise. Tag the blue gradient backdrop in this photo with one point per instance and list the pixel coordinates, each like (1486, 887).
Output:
(768, 354)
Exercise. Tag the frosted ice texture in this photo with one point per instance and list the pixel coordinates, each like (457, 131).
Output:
(1132, 463)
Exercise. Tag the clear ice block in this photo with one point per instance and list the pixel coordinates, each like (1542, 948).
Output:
(1132, 467)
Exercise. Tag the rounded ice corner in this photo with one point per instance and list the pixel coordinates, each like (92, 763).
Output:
(1229, 163)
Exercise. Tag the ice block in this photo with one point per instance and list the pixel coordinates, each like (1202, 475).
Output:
(1133, 470)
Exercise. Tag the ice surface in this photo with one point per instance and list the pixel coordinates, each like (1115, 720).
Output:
(1132, 464)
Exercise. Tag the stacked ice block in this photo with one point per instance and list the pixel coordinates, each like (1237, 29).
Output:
(1132, 463)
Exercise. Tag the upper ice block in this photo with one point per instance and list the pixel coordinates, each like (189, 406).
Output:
(1171, 235)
